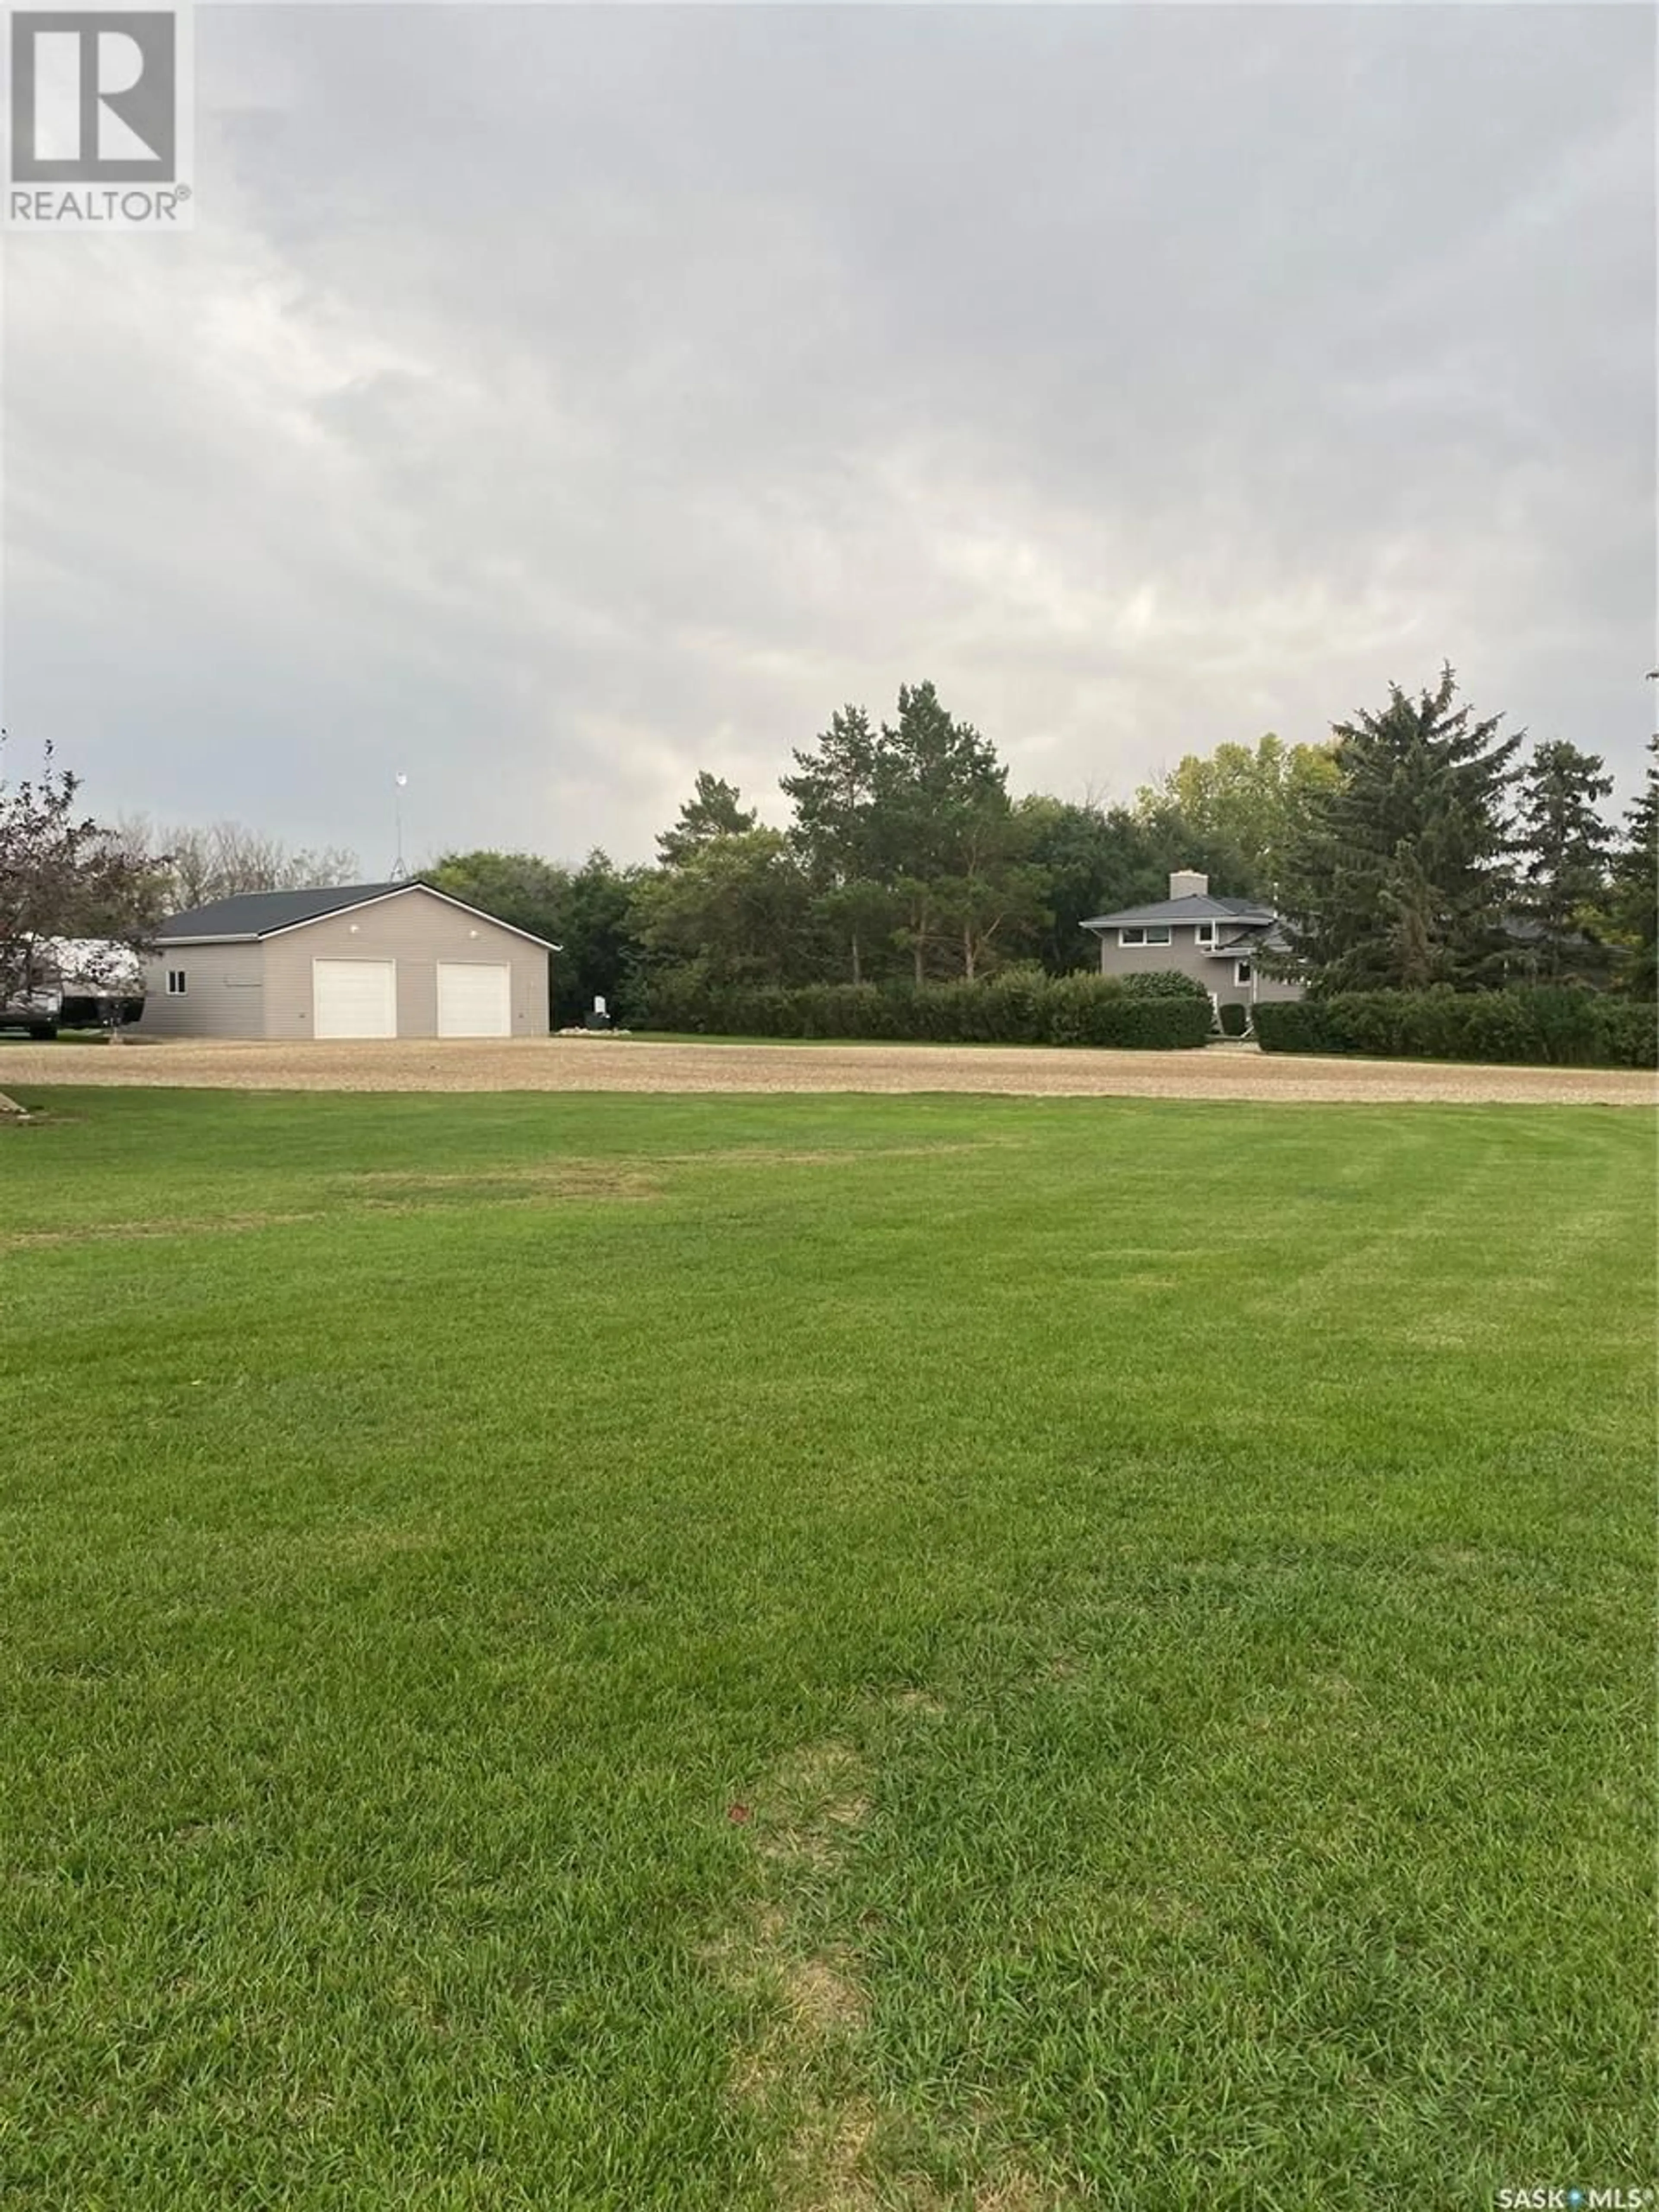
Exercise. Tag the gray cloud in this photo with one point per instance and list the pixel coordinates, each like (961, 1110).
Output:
(553, 401)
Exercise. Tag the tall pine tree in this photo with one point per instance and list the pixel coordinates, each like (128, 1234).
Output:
(834, 794)
(1399, 876)
(715, 809)
(1566, 843)
(1635, 897)
(940, 793)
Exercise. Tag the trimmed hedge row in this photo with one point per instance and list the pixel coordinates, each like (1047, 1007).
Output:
(1548, 1027)
(1019, 1006)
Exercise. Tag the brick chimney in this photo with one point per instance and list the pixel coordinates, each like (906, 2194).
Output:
(1187, 882)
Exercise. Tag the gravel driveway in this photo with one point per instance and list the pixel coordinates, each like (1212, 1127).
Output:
(624, 1064)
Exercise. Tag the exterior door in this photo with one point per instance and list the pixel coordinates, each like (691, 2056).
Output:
(475, 1001)
(354, 997)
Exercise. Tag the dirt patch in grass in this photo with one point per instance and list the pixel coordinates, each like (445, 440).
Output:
(813, 1805)
(917, 1701)
(387, 1192)
(367, 1541)
(87, 1232)
(764, 1156)
(805, 1818)
(823, 1997)
(576, 1178)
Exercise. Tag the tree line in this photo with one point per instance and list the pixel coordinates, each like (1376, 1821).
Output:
(1417, 846)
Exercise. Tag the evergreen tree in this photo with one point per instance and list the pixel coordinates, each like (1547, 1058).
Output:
(713, 810)
(1634, 901)
(910, 841)
(738, 909)
(833, 791)
(1398, 876)
(940, 795)
(1566, 842)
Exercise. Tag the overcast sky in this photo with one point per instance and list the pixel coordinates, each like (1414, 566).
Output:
(551, 402)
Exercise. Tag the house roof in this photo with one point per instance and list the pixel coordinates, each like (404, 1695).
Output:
(252, 915)
(1195, 908)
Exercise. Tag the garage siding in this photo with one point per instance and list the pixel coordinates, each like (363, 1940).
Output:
(418, 931)
(224, 995)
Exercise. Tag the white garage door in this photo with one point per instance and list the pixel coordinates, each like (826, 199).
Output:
(354, 997)
(474, 1001)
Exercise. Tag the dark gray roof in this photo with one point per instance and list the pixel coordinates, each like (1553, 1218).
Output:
(257, 913)
(1195, 908)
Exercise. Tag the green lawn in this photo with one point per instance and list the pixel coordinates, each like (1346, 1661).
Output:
(716, 1653)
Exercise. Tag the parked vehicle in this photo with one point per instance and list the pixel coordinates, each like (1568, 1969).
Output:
(76, 982)
(39, 1010)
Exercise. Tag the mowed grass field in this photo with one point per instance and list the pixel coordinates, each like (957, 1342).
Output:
(628, 1652)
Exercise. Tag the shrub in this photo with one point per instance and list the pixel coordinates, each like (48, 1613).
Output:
(1097, 1009)
(845, 1010)
(1630, 1027)
(1076, 1008)
(1019, 1006)
(677, 999)
(1167, 983)
(1548, 1026)
(1162, 1024)
(759, 1010)
(1014, 998)
(1297, 1025)
(1235, 1020)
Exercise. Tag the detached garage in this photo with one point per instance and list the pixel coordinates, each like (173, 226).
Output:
(372, 960)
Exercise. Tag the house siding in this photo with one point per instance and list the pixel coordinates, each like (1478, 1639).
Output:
(1183, 956)
(416, 931)
(223, 996)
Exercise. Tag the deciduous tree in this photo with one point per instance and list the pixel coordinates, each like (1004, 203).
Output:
(225, 858)
(1240, 807)
(64, 874)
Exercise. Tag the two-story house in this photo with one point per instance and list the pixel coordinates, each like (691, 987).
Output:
(1216, 941)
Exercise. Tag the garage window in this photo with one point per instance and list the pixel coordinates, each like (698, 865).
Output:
(175, 982)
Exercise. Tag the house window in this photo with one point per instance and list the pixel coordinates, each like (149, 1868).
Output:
(1155, 932)
(175, 982)
(1205, 934)
(1241, 971)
